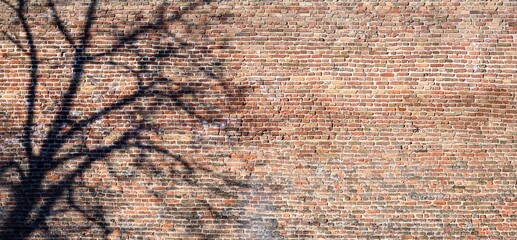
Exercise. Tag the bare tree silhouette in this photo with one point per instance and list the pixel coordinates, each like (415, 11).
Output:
(168, 81)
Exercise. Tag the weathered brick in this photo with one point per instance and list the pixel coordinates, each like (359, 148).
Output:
(247, 119)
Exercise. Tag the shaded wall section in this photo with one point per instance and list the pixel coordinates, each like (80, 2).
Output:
(258, 119)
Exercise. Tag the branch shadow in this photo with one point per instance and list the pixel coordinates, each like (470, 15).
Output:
(42, 189)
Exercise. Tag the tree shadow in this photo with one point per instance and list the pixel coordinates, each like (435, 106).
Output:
(52, 174)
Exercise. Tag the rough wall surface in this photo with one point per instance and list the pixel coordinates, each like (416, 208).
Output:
(258, 119)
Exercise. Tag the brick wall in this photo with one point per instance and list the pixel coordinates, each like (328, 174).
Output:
(258, 119)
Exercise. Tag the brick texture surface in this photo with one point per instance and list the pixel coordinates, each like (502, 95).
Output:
(247, 119)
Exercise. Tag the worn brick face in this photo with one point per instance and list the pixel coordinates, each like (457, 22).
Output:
(258, 119)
